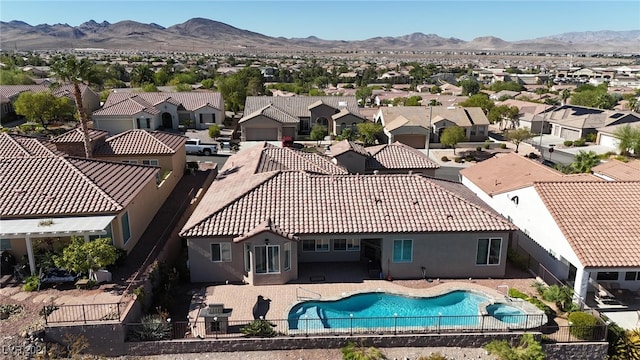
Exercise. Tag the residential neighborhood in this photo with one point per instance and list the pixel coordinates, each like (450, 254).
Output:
(192, 201)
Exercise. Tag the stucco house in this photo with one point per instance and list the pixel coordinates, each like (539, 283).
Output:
(411, 125)
(396, 158)
(270, 118)
(45, 198)
(531, 115)
(158, 110)
(572, 122)
(581, 228)
(607, 135)
(9, 94)
(616, 170)
(262, 225)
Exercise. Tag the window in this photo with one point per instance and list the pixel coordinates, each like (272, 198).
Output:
(247, 257)
(402, 250)
(267, 259)
(322, 245)
(308, 245)
(346, 244)
(109, 235)
(151, 162)
(201, 119)
(315, 245)
(132, 162)
(607, 275)
(489, 251)
(5, 244)
(221, 252)
(631, 276)
(287, 256)
(126, 230)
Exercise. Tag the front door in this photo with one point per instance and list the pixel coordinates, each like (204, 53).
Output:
(167, 121)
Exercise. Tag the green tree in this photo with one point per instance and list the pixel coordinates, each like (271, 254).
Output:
(566, 93)
(517, 136)
(214, 131)
(506, 85)
(149, 88)
(182, 87)
(527, 349)
(434, 102)
(347, 134)
(141, 74)
(451, 136)
(505, 114)
(369, 132)
(363, 94)
(14, 76)
(318, 132)
(70, 69)
(43, 107)
(597, 98)
(414, 100)
(435, 89)
(469, 87)
(81, 256)
(208, 83)
(584, 161)
(628, 140)
(479, 100)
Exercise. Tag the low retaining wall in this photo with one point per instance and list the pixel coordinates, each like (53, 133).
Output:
(576, 351)
(294, 343)
(101, 339)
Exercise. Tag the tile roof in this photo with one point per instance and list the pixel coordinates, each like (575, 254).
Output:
(127, 103)
(618, 170)
(397, 116)
(581, 117)
(273, 112)
(50, 186)
(397, 156)
(510, 171)
(13, 145)
(299, 106)
(141, 142)
(302, 203)
(601, 220)
(10, 91)
(76, 135)
(344, 146)
(279, 158)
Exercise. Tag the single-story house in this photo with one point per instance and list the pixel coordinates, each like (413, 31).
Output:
(581, 228)
(269, 118)
(262, 227)
(159, 110)
(531, 115)
(607, 135)
(9, 94)
(572, 122)
(396, 158)
(411, 125)
(47, 196)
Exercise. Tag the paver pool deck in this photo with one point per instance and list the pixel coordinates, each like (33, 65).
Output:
(280, 298)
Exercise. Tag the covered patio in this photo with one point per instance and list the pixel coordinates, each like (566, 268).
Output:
(43, 228)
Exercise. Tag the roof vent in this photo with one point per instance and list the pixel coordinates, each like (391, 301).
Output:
(342, 103)
(451, 107)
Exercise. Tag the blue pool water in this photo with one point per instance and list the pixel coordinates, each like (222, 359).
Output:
(373, 310)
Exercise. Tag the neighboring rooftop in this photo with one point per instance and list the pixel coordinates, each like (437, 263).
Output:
(510, 171)
(133, 103)
(14, 145)
(397, 156)
(141, 142)
(300, 106)
(601, 220)
(618, 170)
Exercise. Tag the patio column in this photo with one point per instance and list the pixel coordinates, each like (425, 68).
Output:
(582, 283)
(32, 260)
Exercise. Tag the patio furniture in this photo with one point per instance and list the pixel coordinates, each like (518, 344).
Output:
(57, 276)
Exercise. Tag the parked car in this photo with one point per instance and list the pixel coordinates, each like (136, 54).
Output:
(195, 146)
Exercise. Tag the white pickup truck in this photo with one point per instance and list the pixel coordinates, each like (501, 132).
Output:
(195, 146)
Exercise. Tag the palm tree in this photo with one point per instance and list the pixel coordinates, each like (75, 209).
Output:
(566, 93)
(584, 161)
(76, 72)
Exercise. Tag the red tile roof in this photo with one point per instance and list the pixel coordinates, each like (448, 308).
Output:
(302, 203)
(13, 145)
(133, 103)
(398, 156)
(141, 142)
(601, 220)
(76, 135)
(618, 170)
(511, 171)
(344, 146)
(277, 158)
(50, 186)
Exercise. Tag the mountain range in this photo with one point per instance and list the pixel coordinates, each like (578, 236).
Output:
(204, 35)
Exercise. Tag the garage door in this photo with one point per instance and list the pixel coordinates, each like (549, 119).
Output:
(415, 141)
(609, 141)
(569, 134)
(262, 134)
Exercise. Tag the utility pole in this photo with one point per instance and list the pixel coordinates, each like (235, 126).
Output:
(429, 130)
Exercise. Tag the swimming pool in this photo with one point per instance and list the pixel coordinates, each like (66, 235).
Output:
(375, 310)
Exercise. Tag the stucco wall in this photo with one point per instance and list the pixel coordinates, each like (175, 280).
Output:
(202, 269)
(354, 162)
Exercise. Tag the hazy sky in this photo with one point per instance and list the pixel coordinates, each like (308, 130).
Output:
(349, 20)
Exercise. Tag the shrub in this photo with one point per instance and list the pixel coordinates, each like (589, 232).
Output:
(562, 296)
(478, 148)
(515, 293)
(359, 352)
(539, 286)
(445, 159)
(503, 146)
(258, 328)
(6, 310)
(214, 131)
(533, 155)
(486, 145)
(152, 328)
(568, 143)
(527, 349)
(582, 325)
(458, 159)
(31, 283)
(591, 137)
(579, 142)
